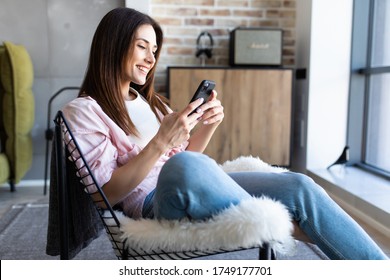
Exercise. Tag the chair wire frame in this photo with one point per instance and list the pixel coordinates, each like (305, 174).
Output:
(49, 131)
(68, 149)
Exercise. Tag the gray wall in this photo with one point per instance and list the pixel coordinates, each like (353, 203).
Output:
(57, 35)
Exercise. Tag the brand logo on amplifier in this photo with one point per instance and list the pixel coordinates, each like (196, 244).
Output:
(258, 46)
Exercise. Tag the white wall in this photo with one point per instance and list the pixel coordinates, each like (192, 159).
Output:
(328, 80)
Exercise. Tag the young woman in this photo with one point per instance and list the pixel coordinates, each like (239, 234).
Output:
(151, 165)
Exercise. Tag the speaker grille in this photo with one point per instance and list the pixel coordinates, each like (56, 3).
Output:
(256, 46)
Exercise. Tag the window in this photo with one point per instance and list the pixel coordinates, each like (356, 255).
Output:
(369, 116)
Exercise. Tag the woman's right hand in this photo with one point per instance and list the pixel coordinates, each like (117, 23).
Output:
(176, 127)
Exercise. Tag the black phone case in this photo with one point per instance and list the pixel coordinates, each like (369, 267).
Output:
(204, 91)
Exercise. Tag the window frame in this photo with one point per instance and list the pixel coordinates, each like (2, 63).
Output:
(361, 72)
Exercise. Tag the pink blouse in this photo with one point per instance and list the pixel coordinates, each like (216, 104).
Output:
(106, 147)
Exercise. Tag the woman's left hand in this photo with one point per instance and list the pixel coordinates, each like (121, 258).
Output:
(213, 110)
(212, 116)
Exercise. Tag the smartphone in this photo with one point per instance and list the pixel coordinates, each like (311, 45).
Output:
(204, 91)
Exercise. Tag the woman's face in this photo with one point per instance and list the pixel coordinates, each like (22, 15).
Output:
(141, 57)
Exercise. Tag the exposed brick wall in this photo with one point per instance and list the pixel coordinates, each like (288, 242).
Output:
(183, 20)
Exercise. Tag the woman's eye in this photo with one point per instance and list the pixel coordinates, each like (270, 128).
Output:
(141, 47)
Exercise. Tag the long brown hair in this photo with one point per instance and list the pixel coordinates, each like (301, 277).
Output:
(111, 43)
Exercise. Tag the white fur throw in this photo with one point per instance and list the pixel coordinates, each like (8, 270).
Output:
(253, 222)
(250, 163)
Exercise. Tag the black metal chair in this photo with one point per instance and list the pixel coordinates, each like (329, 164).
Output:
(66, 150)
(49, 130)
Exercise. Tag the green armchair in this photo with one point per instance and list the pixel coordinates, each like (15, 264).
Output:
(16, 114)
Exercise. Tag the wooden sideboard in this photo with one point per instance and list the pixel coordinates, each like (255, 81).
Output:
(257, 105)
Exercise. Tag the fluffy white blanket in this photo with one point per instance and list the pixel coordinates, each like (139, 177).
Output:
(251, 223)
(250, 163)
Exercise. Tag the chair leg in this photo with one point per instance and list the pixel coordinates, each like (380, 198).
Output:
(266, 253)
(125, 253)
(12, 185)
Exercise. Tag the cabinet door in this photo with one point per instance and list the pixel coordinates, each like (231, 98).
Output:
(257, 107)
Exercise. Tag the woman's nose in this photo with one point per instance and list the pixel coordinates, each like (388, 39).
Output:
(150, 58)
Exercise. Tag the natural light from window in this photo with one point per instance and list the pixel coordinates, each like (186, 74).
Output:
(378, 107)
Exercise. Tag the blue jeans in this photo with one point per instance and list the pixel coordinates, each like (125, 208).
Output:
(192, 185)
